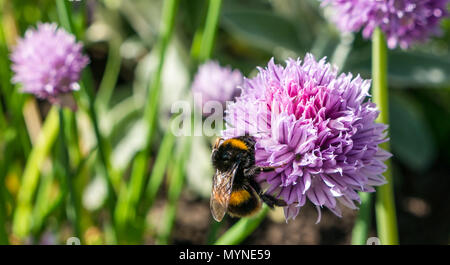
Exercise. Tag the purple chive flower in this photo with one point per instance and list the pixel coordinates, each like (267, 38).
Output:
(317, 127)
(214, 83)
(48, 62)
(402, 21)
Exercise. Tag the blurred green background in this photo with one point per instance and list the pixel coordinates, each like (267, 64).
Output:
(169, 204)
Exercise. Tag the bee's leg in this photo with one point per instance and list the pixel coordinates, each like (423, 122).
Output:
(270, 200)
(249, 172)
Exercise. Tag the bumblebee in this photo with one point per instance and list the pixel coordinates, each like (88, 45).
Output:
(235, 189)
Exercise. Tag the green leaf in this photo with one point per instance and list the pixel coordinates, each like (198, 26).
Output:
(22, 216)
(262, 29)
(242, 229)
(416, 69)
(199, 169)
(411, 138)
(407, 69)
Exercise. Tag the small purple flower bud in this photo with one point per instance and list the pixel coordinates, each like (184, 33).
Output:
(48, 62)
(402, 21)
(215, 83)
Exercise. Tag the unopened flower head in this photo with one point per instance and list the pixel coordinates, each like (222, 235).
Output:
(402, 21)
(317, 127)
(214, 83)
(48, 62)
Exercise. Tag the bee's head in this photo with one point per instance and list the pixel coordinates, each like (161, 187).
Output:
(224, 156)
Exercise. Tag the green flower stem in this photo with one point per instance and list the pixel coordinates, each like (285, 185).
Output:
(3, 214)
(385, 203)
(41, 207)
(30, 178)
(159, 168)
(209, 33)
(214, 227)
(65, 19)
(13, 105)
(363, 221)
(242, 229)
(87, 93)
(13, 99)
(46, 203)
(111, 74)
(113, 180)
(71, 134)
(3, 123)
(196, 45)
(73, 209)
(8, 147)
(175, 186)
(129, 198)
(170, 9)
(70, 121)
(168, 217)
(139, 168)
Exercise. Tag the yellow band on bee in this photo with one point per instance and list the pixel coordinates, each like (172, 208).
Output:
(239, 196)
(236, 143)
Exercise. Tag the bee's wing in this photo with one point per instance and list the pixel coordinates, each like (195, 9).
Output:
(221, 192)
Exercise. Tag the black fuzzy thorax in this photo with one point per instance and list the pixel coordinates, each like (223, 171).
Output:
(227, 155)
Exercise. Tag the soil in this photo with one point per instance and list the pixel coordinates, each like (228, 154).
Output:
(422, 203)
(194, 217)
